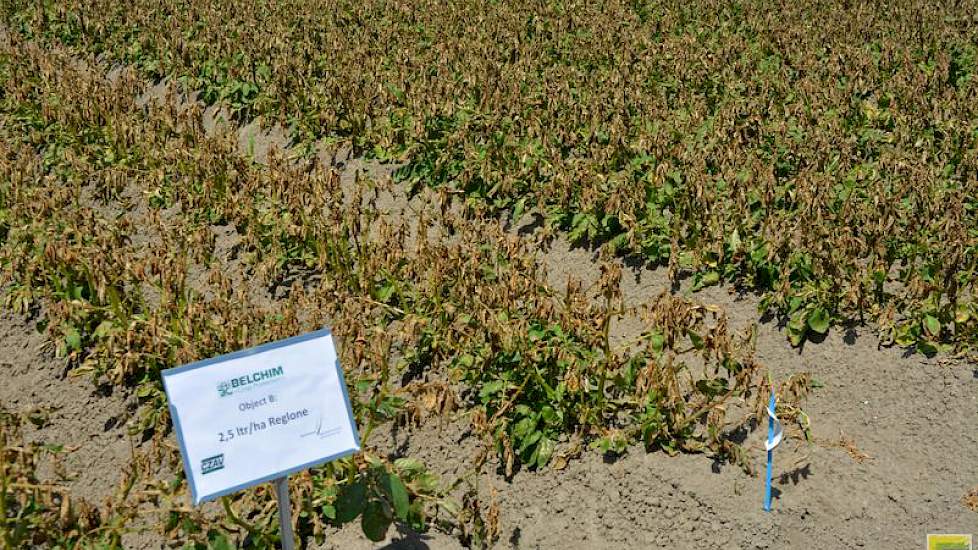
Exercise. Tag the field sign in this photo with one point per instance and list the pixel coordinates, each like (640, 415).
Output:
(260, 414)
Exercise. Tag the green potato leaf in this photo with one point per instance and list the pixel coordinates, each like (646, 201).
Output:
(398, 494)
(375, 521)
(818, 320)
(351, 502)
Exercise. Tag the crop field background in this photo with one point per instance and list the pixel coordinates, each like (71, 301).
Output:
(567, 249)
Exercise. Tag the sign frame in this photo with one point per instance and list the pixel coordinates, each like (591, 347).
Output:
(263, 348)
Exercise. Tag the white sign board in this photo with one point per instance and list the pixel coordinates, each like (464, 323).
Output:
(259, 414)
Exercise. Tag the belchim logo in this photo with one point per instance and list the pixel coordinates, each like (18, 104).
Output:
(248, 381)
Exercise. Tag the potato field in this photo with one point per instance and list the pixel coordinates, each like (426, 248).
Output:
(567, 251)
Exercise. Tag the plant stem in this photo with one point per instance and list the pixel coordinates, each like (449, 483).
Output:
(226, 502)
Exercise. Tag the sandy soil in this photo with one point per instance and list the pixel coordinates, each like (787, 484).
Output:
(81, 416)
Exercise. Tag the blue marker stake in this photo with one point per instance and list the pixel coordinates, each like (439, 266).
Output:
(770, 453)
(774, 435)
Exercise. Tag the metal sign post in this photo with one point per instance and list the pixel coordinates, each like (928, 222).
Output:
(284, 512)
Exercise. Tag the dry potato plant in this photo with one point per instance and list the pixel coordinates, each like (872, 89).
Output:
(36, 511)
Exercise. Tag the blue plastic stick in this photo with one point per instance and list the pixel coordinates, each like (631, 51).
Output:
(770, 455)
